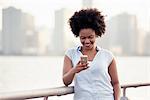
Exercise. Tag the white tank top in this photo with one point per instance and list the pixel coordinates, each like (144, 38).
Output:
(93, 83)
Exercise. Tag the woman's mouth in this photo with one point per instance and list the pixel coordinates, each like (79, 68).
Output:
(87, 45)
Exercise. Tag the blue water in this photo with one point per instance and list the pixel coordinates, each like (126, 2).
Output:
(29, 72)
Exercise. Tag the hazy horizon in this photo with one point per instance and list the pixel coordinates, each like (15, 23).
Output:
(42, 22)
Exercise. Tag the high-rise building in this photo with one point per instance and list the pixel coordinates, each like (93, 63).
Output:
(12, 34)
(123, 33)
(140, 42)
(31, 36)
(0, 41)
(146, 44)
(62, 37)
(16, 28)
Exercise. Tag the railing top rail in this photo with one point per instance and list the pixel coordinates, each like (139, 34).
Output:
(58, 91)
(37, 93)
(135, 85)
(132, 86)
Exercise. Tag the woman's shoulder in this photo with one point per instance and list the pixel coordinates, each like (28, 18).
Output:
(71, 52)
(73, 49)
(107, 54)
(106, 51)
(103, 49)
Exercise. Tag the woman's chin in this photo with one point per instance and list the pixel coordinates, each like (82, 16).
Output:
(88, 47)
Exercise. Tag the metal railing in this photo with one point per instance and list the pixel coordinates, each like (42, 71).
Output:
(38, 93)
(124, 87)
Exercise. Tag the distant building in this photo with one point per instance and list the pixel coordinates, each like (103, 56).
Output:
(17, 32)
(147, 44)
(141, 41)
(31, 36)
(62, 36)
(0, 41)
(44, 40)
(122, 34)
(12, 35)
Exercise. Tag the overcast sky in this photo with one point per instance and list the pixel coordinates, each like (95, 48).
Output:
(43, 10)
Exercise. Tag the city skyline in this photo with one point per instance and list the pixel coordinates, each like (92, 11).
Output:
(19, 35)
(122, 26)
(44, 11)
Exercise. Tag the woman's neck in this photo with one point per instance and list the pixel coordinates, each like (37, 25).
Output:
(88, 51)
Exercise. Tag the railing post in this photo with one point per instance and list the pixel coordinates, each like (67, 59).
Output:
(124, 94)
(46, 98)
(124, 98)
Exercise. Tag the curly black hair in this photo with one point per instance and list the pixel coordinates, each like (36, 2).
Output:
(87, 18)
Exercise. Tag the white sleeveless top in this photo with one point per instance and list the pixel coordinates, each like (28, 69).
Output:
(93, 83)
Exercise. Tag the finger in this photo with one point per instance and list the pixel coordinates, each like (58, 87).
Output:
(86, 67)
(78, 62)
(84, 64)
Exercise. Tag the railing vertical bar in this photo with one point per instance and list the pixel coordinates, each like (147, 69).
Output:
(124, 92)
(46, 98)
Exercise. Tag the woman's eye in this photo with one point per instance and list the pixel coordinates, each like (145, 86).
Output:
(90, 37)
(82, 38)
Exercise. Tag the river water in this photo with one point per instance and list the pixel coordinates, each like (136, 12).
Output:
(37, 72)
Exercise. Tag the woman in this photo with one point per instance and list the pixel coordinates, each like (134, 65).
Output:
(97, 79)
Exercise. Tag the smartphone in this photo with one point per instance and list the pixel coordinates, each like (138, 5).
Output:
(84, 59)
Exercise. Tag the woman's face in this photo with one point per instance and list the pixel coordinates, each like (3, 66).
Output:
(87, 38)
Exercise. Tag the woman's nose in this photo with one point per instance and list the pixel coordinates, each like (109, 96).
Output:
(87, 40)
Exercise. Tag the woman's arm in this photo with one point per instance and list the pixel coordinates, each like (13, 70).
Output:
(114, 79)
(69, 71)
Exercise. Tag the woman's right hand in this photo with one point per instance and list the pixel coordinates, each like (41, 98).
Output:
(69, 71)
(79, 67)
